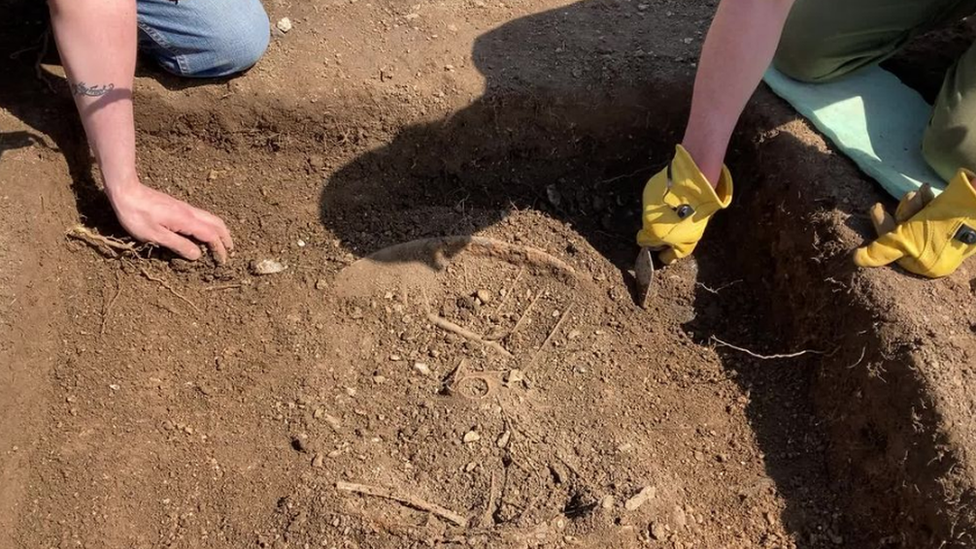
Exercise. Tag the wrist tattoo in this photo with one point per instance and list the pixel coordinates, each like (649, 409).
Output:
(91, 91)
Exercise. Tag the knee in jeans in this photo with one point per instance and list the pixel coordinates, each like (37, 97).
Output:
(239, 41)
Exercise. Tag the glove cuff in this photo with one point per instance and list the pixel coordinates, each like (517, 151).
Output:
(686, 171)
(960, 191)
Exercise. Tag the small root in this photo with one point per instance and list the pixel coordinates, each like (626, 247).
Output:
(449, 326)
(551, 334)
(219, 287)
(510, 291)
(719, 289)
(766, 357)
(41, 54)
(106, 245)
(409, 501)
(164, 284)
(852, 366)
(525, 314)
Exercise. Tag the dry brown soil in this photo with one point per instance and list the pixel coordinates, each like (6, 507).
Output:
(495, 388)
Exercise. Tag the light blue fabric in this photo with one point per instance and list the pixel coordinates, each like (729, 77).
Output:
(203, 38)
(873, 118)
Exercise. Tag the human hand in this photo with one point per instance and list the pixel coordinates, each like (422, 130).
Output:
(678, 203)
(928, 236)
(152, 216)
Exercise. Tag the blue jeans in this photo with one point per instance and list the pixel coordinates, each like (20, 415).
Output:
(203, 38)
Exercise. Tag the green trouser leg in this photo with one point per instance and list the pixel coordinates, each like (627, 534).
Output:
(826, 39)
(950, 142)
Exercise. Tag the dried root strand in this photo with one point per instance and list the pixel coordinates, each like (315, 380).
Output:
(166, 285)
(410, 501)
(449, 326)
(766, 357)
(106, 245)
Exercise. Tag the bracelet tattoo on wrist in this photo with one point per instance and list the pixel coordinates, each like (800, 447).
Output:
(82, 89)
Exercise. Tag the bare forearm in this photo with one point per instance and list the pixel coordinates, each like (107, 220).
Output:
(740, 45)
(97, 42)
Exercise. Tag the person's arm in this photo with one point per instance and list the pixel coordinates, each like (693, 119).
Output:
(740, 46)
(97, 41)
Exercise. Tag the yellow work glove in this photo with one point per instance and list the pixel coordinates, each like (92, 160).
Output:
(678, 202)
(931, 239)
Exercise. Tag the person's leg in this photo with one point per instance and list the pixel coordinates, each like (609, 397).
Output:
(826, 39)
(203, 38)
(950, 138)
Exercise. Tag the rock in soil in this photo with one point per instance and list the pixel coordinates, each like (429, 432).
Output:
(646, 494)
(265, 267)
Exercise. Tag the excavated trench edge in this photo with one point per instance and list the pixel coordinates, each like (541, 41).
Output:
(899, 478)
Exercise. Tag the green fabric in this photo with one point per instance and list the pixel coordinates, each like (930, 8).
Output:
(886, 128)
(826, 39)
(872, 118)
(950, 139)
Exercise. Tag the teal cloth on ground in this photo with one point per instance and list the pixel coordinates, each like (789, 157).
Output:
(873, 118)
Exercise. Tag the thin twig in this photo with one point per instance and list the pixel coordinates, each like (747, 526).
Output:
(486, 517)
(163, 283)
(510, 291)
(108, 307)
(525, 313)
(766, 357)
(228, 286)
(551, 334)
(445, 324)
(410, 501)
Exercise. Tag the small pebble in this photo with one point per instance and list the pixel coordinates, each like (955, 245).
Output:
(503, 439)
(514, 376)
(422, 368)
(680, 518)
(642, 497)
(471, 436)
(317, 461)
(265, 267)
(484, 296)
(658, 532)
(321, 284)
(284, 24)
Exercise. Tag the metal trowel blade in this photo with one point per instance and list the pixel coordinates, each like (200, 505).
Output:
(644, 273)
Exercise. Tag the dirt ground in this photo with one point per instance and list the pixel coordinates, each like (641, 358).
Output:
(452, 355)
